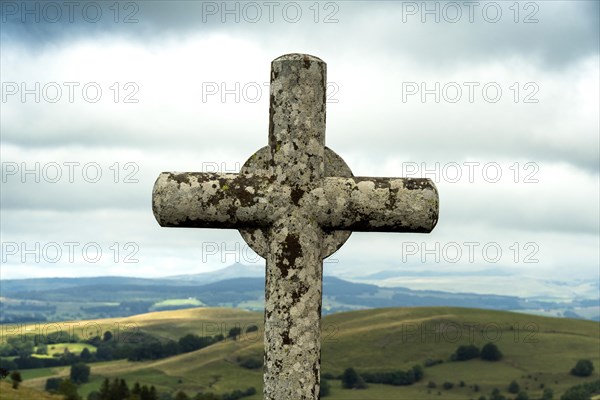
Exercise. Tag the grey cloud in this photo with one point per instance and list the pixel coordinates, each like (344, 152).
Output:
(565, 31)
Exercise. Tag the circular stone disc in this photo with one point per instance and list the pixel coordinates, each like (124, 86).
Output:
(257, 237)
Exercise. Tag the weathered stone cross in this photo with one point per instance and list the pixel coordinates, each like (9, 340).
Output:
(295, 202)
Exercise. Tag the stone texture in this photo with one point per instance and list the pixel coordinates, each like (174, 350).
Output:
(295, 202)
(294, 263)
(256, 237)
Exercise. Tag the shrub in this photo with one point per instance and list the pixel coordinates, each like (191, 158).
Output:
(328, 375)
(80, 373)
(16, 379)
(576, 393)
(107, 336)
(513, 387)
(522, 396)
(52, 384)
(582, 392)
(496, 395)
(191, 342)
(431, 362)
(431, 385)
(448, 385)
(417, 372)
(181, 396)
(69, 390)
(464, 353)
(396, 378)
(234, 332)
(85, 354)
(252, 328)
(583, 368)
(490, 352)
(352, 380)
(251, 363)
(548, 394)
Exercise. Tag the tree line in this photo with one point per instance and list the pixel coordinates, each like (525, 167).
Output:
(142, 347)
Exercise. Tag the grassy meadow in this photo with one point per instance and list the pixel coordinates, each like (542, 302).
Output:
(537, 352)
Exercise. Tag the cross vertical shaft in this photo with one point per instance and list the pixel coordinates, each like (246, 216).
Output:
(294, 264)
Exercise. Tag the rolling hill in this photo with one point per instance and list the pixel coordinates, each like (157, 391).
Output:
(24, 393)
(537, 351)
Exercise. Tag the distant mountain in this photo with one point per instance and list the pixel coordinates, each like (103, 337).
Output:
(240, 286)
(236, 270)
(398, 273)
(492, 280)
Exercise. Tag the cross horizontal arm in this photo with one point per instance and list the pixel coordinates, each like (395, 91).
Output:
(377, 204)
(211, 200)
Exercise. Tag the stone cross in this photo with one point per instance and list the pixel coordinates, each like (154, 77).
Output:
(295, 202)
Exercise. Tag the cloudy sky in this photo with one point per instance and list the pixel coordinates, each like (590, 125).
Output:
(497, 102)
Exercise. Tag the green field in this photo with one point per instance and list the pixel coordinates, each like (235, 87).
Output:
(537, 350)
(60, 348)
(38, 373)
(178, 302)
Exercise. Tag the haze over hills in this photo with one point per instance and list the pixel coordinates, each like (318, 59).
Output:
(240, 286)
(487, 281)
(495, 280)
(236, 270)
